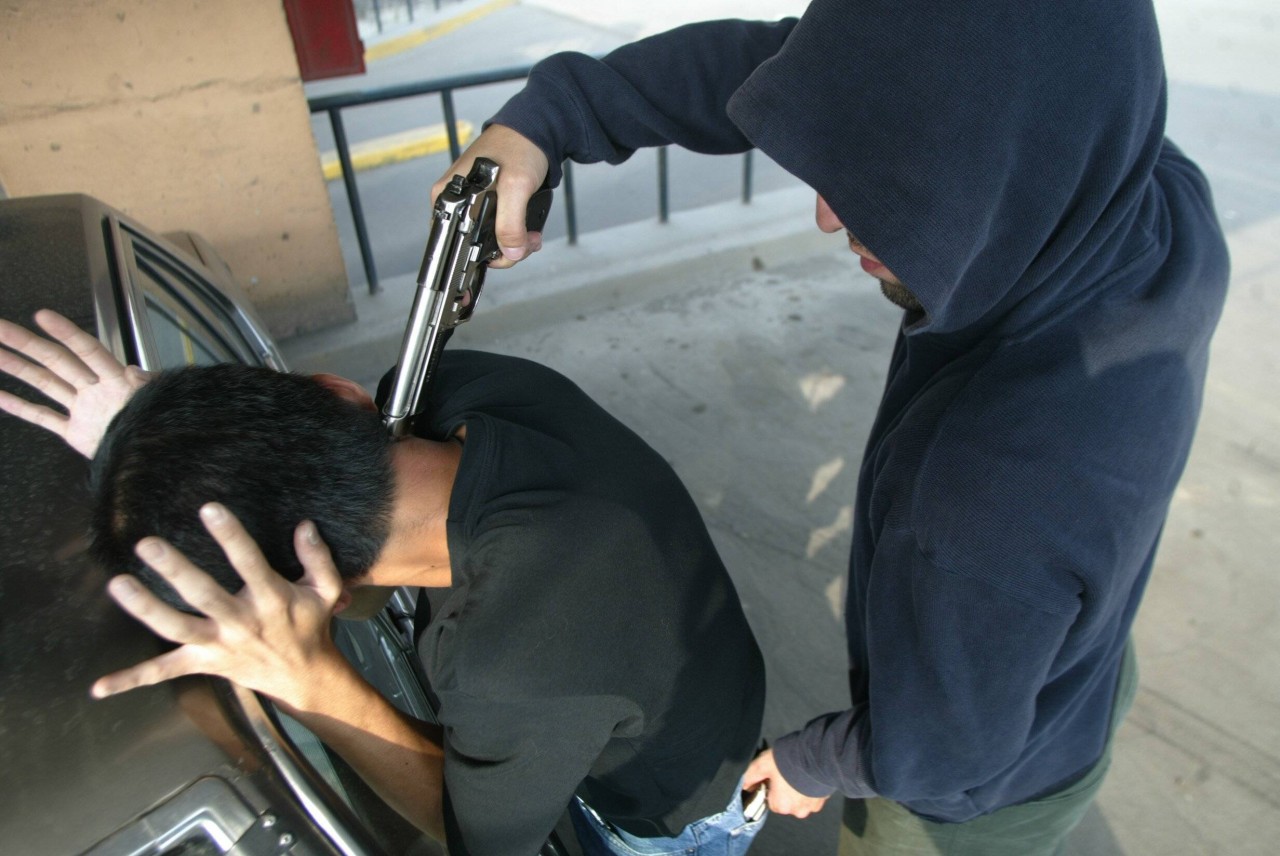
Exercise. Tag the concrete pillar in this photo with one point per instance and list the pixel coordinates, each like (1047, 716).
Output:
(185, 114)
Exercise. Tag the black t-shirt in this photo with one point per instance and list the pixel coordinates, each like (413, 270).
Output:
(592, 641)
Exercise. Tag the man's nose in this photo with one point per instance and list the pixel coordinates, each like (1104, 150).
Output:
(826, 218)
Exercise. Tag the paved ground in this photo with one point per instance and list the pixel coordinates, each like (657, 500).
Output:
(750, 350)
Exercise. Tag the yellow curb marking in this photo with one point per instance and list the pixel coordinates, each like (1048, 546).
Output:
(408, 41)
(394, 148)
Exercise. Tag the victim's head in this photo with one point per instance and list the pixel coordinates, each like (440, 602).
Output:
(274, 448)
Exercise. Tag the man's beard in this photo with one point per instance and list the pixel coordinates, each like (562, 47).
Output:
(900, 295)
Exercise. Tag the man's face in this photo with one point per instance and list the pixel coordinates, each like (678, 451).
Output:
(890, 285)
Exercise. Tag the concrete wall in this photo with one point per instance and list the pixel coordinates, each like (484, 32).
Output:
(185, 115)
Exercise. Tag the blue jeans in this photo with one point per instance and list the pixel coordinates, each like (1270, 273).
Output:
(728, 833)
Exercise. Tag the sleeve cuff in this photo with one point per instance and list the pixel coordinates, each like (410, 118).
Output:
(543, 113)
(827, 755)
(788, 754)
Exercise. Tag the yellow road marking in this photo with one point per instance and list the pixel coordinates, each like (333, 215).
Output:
(408, 41)
(394, 148)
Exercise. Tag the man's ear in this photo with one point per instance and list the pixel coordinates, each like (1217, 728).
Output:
(348, 390)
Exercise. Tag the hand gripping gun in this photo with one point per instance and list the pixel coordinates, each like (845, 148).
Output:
(459, 248)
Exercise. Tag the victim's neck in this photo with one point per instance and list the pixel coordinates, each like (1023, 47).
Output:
(417, 549)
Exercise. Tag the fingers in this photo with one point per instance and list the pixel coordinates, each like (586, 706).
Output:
(197, 588)
(759, 770)
(36, 376)
(164, 620)
(136, 376)
(783, 799)
(86, 348)
(36, 414)
(533, 243)
(320, 573)
(522, 169)
(243, 553)
(55, 357)
(174, 664)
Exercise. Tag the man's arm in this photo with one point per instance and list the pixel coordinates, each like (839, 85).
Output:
(783, 797)
(273, 637)
(399, 757)
(956, 670)
(671, 88)
(74, 370)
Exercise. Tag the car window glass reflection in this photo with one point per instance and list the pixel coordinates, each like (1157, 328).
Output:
(187, 329)
(181, 337)
(176, 342)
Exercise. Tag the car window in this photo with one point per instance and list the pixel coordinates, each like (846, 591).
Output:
(179, 342)
(185, 328)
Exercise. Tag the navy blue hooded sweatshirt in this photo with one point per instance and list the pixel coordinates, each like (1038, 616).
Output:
(1007, 161)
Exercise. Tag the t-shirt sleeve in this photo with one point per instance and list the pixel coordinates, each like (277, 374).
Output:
(512, 767)
(955, 666)
(671, 88)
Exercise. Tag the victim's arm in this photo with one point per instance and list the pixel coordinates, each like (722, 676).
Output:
(273, 637)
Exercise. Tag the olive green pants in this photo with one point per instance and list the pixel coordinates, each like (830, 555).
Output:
(880, 827)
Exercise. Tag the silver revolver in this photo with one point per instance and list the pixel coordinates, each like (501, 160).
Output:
(459, 248)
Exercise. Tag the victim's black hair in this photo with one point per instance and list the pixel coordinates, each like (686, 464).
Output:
(274, 448)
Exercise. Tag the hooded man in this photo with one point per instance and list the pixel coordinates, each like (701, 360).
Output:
(1002, 169)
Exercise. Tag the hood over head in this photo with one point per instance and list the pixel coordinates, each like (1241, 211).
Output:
(994, 156)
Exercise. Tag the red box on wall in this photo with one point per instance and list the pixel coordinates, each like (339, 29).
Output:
(325, 38)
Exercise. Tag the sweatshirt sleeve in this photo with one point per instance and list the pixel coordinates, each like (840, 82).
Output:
(671, 88)
(955, 668)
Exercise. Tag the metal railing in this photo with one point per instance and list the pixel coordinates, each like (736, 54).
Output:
(334, 104)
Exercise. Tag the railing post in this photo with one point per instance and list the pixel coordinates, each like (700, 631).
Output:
(333, 104)
(570, 212)
(450, 123)
(353, 198)
(663, 206)
(746, 177)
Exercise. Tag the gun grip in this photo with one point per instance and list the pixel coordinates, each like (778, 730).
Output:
(535, 217)
(535, 213)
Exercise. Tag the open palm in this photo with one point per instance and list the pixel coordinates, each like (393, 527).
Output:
(74, 370)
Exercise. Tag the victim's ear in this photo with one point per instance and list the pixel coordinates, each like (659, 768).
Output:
(348, 390)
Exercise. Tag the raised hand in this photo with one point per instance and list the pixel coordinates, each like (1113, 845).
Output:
(272, 636)
(523, 169)
(72, 368)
